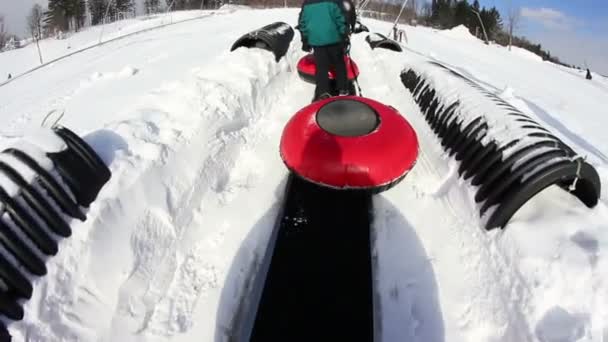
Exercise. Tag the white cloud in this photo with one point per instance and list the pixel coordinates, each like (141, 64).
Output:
(550, 18)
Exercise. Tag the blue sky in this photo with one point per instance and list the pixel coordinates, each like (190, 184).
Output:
(575, 31)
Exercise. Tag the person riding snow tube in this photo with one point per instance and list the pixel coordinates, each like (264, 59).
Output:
(307, 70)
(324, 28)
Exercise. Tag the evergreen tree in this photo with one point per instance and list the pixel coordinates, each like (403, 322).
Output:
(56, 16)
(78, 13)
(435, 11)
(124, 6)
(152, 6)
(65, 14)
(462, 13)
(97, 8)
(492, 21)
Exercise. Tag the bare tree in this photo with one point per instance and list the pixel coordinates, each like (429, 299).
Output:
(34, 21)
(3, 33)
(513, 21)
(34, 24)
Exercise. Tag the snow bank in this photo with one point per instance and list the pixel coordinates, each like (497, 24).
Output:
(233, 8)
(15, 62)
(148, 254)
(459, 32)
(539, 280)
(525, 54)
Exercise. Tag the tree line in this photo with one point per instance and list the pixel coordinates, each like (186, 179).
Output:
(447, 14)
(72, 15)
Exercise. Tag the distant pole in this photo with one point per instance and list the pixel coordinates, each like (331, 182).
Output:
(398, 16)
(482, 26)
(169, 9)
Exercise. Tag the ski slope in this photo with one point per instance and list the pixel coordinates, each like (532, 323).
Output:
(191, 132)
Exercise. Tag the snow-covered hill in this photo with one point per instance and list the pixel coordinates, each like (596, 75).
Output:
(191, 132)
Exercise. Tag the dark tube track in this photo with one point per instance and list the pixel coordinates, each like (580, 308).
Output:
(319, 284)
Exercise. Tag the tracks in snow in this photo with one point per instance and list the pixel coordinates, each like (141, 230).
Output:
(481, 294)
(151, 251)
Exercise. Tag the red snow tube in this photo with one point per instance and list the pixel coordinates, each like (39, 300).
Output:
(349, 142)
(307, 69)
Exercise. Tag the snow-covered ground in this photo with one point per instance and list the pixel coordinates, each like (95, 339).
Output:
(191, 131)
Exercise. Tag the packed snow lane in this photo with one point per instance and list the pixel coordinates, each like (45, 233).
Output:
(163, 233)
(448, 288)
(107, 83)
(543, 271)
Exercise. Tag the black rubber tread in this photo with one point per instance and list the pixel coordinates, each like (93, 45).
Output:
(471, 151)
(88, 169)
(21, 251)
(431, 111)
(50, 185)
(17, 284)
(469, 164)
(495, 176)
(563, 171)
(461, 137)
(28, 225)
(422, 89)
(10, 308)
(448, 126)
(589, 186)
(445, 113)
(486, 162)
(276, 38)
(476, 135)
(524, 120)
(535, 127)
(86, 152)
(38, 203)
(384, 43)
(437, 115)
(442, 117)
(76, 175)
(513, 178)
(410, 80)
(319, 282)
(495, 163)
(505, 167)
(424, 99)
(454, 130)
(428, 101)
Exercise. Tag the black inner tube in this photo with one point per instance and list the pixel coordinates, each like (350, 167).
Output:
(348, 118)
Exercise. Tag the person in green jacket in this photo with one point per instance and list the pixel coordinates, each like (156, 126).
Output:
(324, 27)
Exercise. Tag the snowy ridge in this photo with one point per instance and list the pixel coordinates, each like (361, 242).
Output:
(503, 120)
(463, 290)
(182, 160)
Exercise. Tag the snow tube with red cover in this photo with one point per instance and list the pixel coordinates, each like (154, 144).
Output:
(349, 142)
(307, 69)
